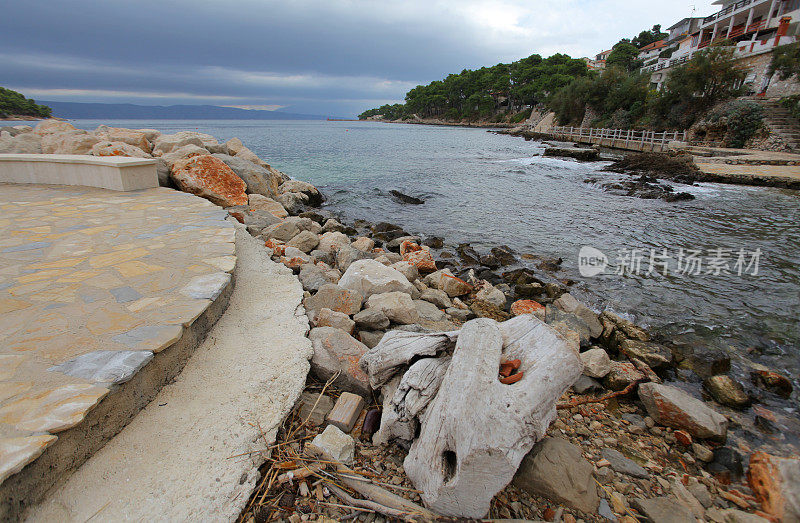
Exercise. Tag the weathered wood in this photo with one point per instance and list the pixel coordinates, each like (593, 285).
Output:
(390, 429)
(369, 505)
(373, 492)
(415, 390)
(398, 348)
(476, 430)
(419, 385)
(345, 412)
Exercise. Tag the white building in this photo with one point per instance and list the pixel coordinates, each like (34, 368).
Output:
(651, 51)
(752, 27)
(684, 28)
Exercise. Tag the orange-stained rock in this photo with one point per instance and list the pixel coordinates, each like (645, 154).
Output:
(683, 437)
(105, 148)
(419, 257)
(293, 263)
(237, 215)
(776, 484)
(408, 246)
(209, 178)
(525, 307)
(277, 246)
(773, 382)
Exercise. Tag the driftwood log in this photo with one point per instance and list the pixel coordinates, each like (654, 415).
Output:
(397, 348)
(476, 430)
(373, 492)
(390, 428)
(418, 386)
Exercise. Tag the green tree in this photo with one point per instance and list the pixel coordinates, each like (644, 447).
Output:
(491, 91)
(623, 55)
(648, 37)
(710, 76)
(786, 61)
(14, 103)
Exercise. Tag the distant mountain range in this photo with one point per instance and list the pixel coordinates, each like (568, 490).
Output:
(92, 111)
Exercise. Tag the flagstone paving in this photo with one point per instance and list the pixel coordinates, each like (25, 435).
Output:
(92, 284)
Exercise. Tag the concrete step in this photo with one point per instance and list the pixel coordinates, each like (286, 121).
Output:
(193, 453)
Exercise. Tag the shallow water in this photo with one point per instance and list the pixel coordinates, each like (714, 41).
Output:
(490, 189)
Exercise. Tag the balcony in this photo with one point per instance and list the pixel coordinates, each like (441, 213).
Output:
(742, 30)
(732, 8)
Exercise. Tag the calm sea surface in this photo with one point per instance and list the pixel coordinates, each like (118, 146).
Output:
(490, 189)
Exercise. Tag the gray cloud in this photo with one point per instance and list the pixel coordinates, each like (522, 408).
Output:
(334, 56)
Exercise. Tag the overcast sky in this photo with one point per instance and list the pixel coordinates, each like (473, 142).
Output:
(321, 57)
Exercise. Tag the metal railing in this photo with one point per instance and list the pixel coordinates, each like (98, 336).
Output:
(667, 63)
(731, 8)
(619, 138)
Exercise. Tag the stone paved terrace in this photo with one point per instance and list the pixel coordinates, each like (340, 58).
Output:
(773, 168)
(94, 286)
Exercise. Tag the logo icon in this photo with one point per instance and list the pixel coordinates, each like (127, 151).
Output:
(591, 261)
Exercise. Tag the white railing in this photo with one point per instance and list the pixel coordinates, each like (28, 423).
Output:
(620, 138)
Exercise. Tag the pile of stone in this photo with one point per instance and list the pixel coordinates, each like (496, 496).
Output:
(224, 173)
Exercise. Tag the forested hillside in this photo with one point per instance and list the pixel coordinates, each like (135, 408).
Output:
(13, 103)
(485, 92)
(619, 96)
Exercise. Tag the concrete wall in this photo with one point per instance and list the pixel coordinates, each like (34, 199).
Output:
(107, 172)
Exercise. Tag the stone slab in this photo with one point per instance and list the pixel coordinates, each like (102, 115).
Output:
(106, 172)
(90, 294)
(194, 452)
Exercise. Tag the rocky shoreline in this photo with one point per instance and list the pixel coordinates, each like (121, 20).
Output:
(623, 445)
(447, 123)
(676, 165)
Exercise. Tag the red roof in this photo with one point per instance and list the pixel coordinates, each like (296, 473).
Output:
(654, 45)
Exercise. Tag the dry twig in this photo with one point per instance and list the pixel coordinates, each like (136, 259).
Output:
(583, 401)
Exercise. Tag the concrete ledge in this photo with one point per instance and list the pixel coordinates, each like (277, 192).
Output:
(76, 445)
(107, 172)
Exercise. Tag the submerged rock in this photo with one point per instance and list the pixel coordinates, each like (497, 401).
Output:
(404, 198)
(727, 391)
(773, 382)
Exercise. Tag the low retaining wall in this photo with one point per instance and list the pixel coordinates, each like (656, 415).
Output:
(107, 172)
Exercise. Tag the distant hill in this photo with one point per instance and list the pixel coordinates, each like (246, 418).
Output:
(13, 103)
(77, 110)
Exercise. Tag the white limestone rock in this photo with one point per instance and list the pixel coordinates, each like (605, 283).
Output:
(371, 277)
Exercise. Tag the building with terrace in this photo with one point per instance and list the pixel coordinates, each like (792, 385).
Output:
(752, 28)
(599, 61)
(651, 51)
(684, 28)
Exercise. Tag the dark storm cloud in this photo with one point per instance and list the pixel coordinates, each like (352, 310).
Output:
(287, 53)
